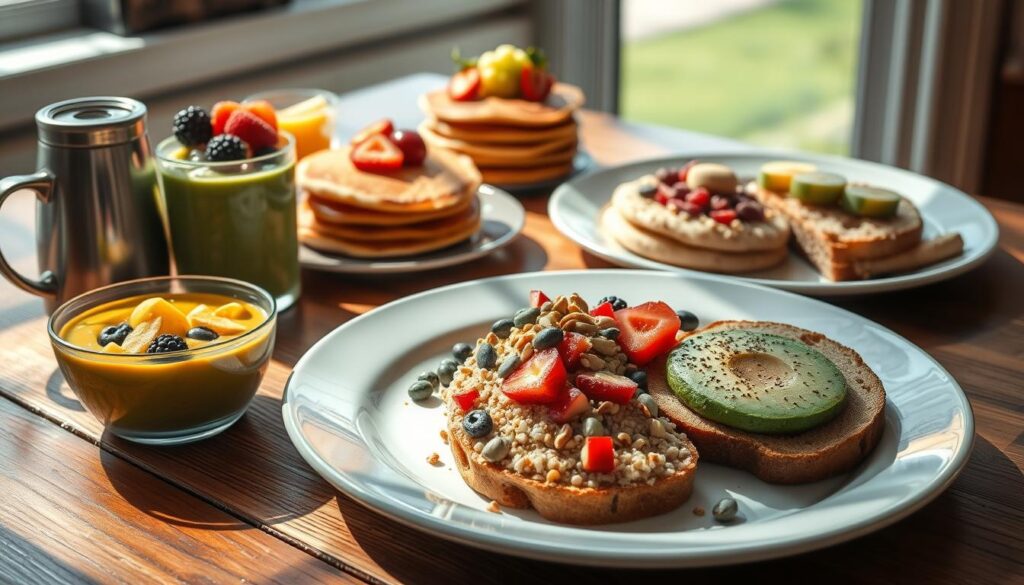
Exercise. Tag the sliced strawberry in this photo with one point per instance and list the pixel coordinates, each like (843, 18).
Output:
(569, 405)
(665, 193)
(647, 331)
(723, 216)
(603, 310)
(607, 386)
(535, 83)
(467, 399)
(538, 380)
(572, 347)
(251, 128)
(383, 127)
(685, 170)
(598, 455)
(699, 196)
(377, 154)
(264, 110)
(538, 298)
(464, 86)
(220, 114)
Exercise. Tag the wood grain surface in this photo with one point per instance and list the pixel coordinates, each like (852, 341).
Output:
(251, 475)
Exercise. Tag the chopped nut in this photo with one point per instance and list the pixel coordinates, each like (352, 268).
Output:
(657, 429)
(639, 443)
(603, 322)
(576, 303)
(444, 436)
(592, 362)
(561, 304)
(434, 459)
(574, 317)
(494, 507)
(564, 435)
(553, 475)
(624, 438)
(604, 346)
(525, 353)
(546, 306)
(583, 328)
(492, 338)
(698, 511)
(605, 407)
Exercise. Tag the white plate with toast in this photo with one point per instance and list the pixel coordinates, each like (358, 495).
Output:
(575, 207)
(347, 410)
(502, 218)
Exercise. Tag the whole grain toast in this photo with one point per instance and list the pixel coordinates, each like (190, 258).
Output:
(825, 451)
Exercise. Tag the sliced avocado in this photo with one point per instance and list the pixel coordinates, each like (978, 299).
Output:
(817, 188)
(870, 201)
(757, 382)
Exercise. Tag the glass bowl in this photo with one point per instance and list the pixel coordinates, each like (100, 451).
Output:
(168, 399)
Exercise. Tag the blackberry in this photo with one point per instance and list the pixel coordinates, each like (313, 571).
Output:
(616, 302)
(225, 147)
(114, 334)
(265, 151)
(192, 126)
(167, 343)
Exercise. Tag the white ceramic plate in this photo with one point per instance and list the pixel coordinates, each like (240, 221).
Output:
(348, 414)
(575, 205)
(502, 219)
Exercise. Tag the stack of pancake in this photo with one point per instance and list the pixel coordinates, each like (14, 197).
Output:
(368, 215)
(512, 141)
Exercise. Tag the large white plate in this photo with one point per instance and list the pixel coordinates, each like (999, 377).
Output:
(502, 218)
(575, 205)
(348, 414)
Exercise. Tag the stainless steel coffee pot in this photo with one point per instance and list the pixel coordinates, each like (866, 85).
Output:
(97, 218)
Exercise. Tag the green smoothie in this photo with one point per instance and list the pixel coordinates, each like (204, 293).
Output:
(234, 219)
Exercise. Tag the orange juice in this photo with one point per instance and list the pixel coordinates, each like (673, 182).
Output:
(311, 122)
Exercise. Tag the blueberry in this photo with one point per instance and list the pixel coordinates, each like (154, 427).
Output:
(114, 334)
(431, 378)
(526, 316)
(202, 334)
(446, 371)
(640, 377)
(462, 351)
(617, 303)
(477, 423)
(749, 211)
(610, 333)
(648, 191)
(548, 337)
(502, 328)
(420, 390)
(508, 365)
(687, 320)
(486, 357)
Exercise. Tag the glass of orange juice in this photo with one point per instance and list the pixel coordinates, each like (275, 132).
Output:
(307, 114)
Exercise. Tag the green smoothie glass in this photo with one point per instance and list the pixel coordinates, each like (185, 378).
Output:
(235, 219)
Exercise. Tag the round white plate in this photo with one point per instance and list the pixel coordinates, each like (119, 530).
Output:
(348, 414)
(575, 205)
(502, 219)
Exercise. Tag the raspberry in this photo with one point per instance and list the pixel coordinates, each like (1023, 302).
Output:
(251, 128)
(264, 111)
(226, 147)
(192, 126)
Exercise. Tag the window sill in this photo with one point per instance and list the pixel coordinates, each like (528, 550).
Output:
(88, 62)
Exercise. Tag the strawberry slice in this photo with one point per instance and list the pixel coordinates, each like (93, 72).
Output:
(377, 154)
(538, 298)
(220, 114)
(607, 386)
(572, 347)
(467, 399)
(464, 86)
(538, 380)
(251, 128)
(535, 83)
(384, 127)
(598, 455)
(603, 310)
(723, 216)
(569, 405)
(647, 331)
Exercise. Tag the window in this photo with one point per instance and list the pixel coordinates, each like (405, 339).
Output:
(776, 73)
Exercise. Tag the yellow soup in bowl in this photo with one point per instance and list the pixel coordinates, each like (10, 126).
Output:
(167, 366)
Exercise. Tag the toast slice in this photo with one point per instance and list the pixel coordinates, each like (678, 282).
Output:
(825, 451)
(834, 240)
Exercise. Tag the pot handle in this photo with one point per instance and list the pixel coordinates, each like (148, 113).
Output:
(42, 183)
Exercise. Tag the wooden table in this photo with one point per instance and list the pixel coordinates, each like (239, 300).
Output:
(80, 505)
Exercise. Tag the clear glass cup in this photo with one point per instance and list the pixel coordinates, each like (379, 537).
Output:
(310, 115)
(235, 219)
(167, 399)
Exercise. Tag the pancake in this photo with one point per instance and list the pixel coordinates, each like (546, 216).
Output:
(500, 153)
(314, 238)
(542, 161)
(334, 213)
(521, 176)
(444, 180)
(425, 231)
(701, 231)
(662, 249)
(557, 109)
(493, 134)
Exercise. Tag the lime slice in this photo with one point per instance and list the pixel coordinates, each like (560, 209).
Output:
(817, 188)
(870, 201)
(776, 176)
